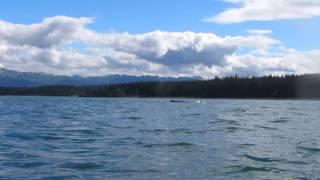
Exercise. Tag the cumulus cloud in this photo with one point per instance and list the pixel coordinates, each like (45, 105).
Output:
(174, 49)
(266, 10)
(50, 32)
(183, 48)
(52, 46)
(287, 61)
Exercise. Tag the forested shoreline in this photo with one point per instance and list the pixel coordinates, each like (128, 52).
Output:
(289, 86)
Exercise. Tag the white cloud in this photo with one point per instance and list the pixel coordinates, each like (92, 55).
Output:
(259, 31)
(45, 47)
(50, 32)
(182, 48)
(234, 1)
(287, 61)
(175, 48)
(266, 10)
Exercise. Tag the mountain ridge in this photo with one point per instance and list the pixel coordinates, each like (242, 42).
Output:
(12, 78)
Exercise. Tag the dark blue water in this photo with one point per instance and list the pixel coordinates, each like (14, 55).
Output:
(92, 138)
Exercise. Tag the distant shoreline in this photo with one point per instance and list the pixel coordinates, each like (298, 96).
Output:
(171, 98)
(304, 87)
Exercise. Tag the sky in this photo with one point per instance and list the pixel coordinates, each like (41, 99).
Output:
(167, 38)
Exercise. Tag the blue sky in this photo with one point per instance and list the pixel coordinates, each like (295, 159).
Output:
(145, 16)
(138, 16)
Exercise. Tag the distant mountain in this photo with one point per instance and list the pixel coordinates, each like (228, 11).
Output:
(284, 87)
(11, 78)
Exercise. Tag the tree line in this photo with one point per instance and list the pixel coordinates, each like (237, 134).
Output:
(288, 86)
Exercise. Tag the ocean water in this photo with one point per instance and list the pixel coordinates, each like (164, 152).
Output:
(107, 138)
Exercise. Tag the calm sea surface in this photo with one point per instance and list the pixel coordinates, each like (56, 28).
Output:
(106, 138)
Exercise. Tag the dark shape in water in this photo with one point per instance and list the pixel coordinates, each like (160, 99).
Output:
(177, 101)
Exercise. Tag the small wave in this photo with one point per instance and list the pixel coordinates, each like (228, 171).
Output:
(311, 149)
(265, 107)
(261, 159)
(152, 130)
(133, 118)
(21, 136)
(226, 121)
(232, 122)
(281, 120)
(84, 141)
(61, 177)
(266, 160)
(269, 160)
(124, 141)
(127, 139)
(294, 108)
(67, 117)
(296, 162)
(20, 155)
(195, 114)
(80, 166)
(248, 169)
(251, 168)
(298, 114)
(247, 144)
(179, 144)
(254, 114)
(78, 151)
(25, 164)
(302, 178)
(120, 127)
(217, 122)
(203, 131)
(308, 146)
(234, 129)
(124, 171)
(266, 127)
(50, 138)
(82, 131)
(178, 130)
(242, 110)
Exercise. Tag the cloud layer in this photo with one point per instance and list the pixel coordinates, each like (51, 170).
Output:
(66, 45)
(266, 10)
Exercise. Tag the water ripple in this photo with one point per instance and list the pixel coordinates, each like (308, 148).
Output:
(108, 138)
